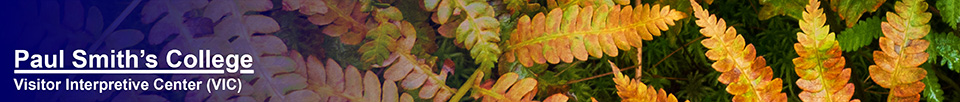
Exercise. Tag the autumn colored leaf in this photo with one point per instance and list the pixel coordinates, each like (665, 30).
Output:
(574, 32)
(553, 4)
(383, 38)
(820, 65)
(419, 75)
(510, 87)
(525, 6)
(850, 10)
(333, 83)
(902, 50)
(285, 75)
(747, 75)
(556, 98)
(475, 27)
(632, 90)
(790, 8)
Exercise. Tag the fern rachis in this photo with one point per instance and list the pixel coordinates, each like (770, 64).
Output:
(820, 65)
(575, 32)
(748, 76)
(902, 51)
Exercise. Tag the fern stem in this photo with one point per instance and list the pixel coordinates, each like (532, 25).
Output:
(601, 75)
(467, 85)
(678, 49)
(635, 66)
(485, 64)
(947, 79)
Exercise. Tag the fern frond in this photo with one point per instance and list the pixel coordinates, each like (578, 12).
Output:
(510, 88)
(949, 11)
(748, 76)
(574, 32)
(862, 34)
(552, 4)
(478, 30)
(413, 74)
(632, 90)
(820, 65)
(902, 50)
(384, 36)
(333, 83)
(932, 92)
(947, 46)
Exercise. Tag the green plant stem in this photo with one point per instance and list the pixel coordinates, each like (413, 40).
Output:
(467, 85)
(948, 80)
(601, 75)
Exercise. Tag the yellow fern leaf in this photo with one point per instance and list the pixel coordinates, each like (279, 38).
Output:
(748, 77)
(575, 32)
(632, 90)
(820, 65)
(902, 51)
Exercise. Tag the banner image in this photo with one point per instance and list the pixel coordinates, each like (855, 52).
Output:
(480, 50)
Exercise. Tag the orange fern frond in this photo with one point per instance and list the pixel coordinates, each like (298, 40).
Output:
(902, 50)
(748, 76)
(574, 32)
(412, 74)
(820, 65)
(632, 90)
(510, 88)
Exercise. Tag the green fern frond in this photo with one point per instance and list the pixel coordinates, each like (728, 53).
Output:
(949, 11)
(946, 45)
(862, 34)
